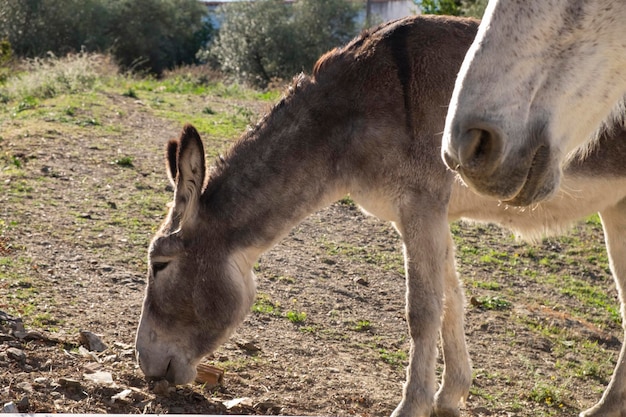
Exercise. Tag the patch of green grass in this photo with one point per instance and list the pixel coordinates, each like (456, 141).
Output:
(594, 220)
(309, 329)
(50, 77)
(495, 257)
(347, 201)
(394, 358)
(487, 285)
(362, 326)
(546, 330)
(240, 364)
(221, 126)
(296, 317)
(26, 103)
(131, 93)
(482, 393)
(44, 320)
(22, 296)
(270, 95)
(70, 111)
(21, 187)
(546, 394)
(285, 279)
(264, 305)
(587, 294)
(491, 303)
(125, 161)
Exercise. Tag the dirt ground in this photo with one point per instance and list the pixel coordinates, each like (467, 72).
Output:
(75, 223)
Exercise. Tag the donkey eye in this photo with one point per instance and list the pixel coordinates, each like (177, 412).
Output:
(158, 267)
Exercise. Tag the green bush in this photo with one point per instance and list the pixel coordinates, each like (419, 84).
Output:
(268, 39)
(475, 8)
(36, 27)
(6, 55)
(156, 35)
(151, 35)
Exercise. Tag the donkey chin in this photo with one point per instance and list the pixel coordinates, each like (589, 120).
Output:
(161, 356)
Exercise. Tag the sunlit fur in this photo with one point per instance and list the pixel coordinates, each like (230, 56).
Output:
(367, 122)
(542, 75)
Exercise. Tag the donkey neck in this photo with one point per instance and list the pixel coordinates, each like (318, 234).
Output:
(290, 165)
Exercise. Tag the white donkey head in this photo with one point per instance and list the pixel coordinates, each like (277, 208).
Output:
(542, 78)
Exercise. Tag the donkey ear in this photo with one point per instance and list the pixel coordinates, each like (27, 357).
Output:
(171, 164)
(190, 174)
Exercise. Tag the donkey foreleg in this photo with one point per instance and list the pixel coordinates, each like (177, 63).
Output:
(613, 402)
(457, 371)
(425, 252)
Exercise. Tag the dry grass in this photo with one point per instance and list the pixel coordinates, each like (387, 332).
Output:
(43, 78)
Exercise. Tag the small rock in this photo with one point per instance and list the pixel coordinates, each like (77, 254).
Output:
(248, 346)
(92, 367)
(10, 407)
(18, 325)
(362, 281)
(91, 341)
(86, 353)
(109, 358)
(128, 353)
(122, 395)
(6, 337)
(121, 345)
(33, 335)
(100, 377)
(70, 383)
(23, 405)
(238, 402)
(16, 354)
(42, 380)
(24, 387)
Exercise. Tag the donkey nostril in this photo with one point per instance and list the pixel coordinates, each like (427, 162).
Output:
(478, 148)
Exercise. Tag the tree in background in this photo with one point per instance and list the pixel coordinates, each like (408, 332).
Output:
(156, 35)
(37, 27)
(142, 34)
(268, 39)
(474, 8)
(324, 24)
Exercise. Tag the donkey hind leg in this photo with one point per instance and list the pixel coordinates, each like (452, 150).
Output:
(613, 402)
(457, 371)
(425, 255)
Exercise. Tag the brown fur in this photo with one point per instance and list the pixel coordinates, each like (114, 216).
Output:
(368, 123)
